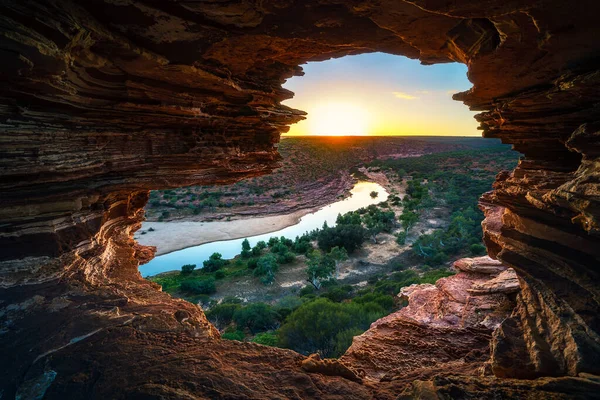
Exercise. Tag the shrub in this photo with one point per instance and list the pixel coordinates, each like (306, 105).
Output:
(315, 325)
(233, 335)
(214, 262)
(286, 242)
(302, 246)
(266, 338)
(338, 293)
(206, 286)
(349, 237)
(266, 267)
(286, 257)
(477, 249)
(374, 194)
(279, 248)
(306, 290)
(222, 314)
(220, 274)
(252, 263)
(187, 268)
(401, 238)
(257, 317)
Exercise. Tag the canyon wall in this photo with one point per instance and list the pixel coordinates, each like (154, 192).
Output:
(104, 100)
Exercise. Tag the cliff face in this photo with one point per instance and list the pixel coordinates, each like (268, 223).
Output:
(104, 100)
(445, 328)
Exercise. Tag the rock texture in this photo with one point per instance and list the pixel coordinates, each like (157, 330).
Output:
(445, 328)
(104, 100)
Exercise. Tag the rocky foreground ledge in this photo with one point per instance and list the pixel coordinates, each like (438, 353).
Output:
(446, 328)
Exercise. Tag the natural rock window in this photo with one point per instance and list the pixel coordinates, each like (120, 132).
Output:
(103, 101)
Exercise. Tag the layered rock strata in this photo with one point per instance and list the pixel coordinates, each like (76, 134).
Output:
(445, 327)
(101, 101)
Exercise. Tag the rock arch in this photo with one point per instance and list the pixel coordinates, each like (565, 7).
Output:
(104, 100)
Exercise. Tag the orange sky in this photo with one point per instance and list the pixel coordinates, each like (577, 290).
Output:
(381, 94)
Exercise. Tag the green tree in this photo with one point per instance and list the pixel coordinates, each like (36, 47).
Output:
(257, 317)
(266, 268)
(349, 237)
(408, 219)
(374, 227)
(338, 254)
(246, 252)
(320, 268)
(222, 314)
(214, 262)
(206, 286)
(187, 268)
(315, 325)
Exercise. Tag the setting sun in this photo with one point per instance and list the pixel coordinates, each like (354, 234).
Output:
(338, 119)
(381, 94)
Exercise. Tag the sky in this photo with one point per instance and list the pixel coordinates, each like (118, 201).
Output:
(381, 94)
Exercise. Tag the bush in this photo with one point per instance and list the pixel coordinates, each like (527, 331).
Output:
(222, 314)
(343, 340)
(252, 263)
(286, 257)
(214, 263)
(477, 249)
(401, 238)
(187, 268)
(279, 248)
(257, 317)
(285, 241)
(220, 274)
(267, 339)
(374, 194)
(206, 286)
(349, 237)
(306, 290)
(315, 326)
(302, 246)
(266, 267)
(384, 301)
(338, 293)
(234, 335)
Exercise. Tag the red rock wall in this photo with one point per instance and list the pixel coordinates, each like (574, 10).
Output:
(101, 101)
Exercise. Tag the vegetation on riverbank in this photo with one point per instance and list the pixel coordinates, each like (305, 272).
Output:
(313, 173)
(326, 313)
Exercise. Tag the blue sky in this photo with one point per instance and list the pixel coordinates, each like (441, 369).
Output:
(381, 94)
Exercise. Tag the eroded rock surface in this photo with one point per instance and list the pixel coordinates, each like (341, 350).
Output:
(104, 100)
(444, 328)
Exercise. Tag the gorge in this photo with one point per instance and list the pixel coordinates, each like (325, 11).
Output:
(103, 101)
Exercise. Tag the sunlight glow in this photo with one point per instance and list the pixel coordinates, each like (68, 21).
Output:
(338, 119)
(381, 94)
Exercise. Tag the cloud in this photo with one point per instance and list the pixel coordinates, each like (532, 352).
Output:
(404, 96)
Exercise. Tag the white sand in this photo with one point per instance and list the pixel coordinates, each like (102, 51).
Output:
(172, 236)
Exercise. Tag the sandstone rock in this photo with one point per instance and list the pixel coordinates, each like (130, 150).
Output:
(506, 283)
(482, 265)
(315, 364)
(445, 322)
(102, 101)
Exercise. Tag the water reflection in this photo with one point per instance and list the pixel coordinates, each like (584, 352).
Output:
(360, 197)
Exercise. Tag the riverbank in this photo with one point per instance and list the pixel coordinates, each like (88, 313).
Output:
(173, 236)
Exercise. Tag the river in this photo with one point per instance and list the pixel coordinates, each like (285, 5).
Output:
(360, 196)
